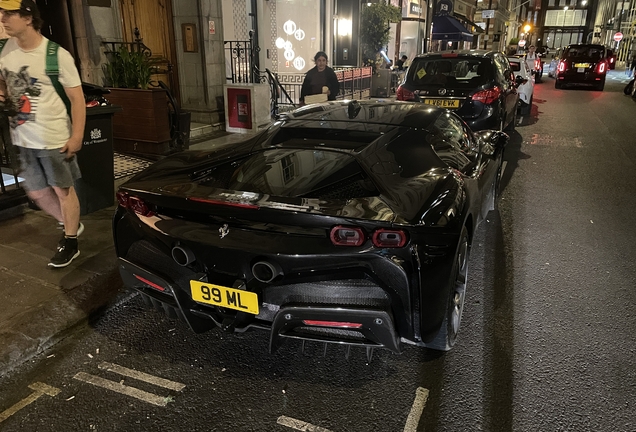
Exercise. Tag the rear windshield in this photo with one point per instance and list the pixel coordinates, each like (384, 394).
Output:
(584, 51)
(293, 173)
(455, 72)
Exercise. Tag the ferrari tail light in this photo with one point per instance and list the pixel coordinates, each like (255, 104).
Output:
(135, 204)
(561, 66)
(347, 236)
(487, 96)
(601, 67)
(403, 94)
(385, 238)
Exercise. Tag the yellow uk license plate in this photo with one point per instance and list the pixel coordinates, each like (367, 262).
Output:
(230, 298)
(443, 103)
(581, 65)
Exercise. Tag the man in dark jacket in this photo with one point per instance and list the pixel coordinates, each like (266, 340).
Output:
(399, 65)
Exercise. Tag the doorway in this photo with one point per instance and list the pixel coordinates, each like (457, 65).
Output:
(153, 19)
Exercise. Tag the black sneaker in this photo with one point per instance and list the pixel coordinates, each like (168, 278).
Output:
(80, 230)
(66, 253)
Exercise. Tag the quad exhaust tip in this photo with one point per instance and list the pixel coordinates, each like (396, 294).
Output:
(265, 271)
(182, 255)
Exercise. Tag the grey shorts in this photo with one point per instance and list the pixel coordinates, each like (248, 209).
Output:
(43, 168)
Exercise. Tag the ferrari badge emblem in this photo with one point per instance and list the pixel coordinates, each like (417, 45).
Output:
(224, 230)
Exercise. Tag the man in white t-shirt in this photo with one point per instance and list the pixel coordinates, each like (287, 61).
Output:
(531, 58)
(40, 124)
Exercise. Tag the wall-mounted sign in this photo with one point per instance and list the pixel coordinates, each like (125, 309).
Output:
(444, 7)
(488, 13)
(211, 27)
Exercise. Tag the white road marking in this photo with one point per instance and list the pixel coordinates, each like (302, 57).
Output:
(39, 389)
(141, 376)
(421, 396)
(299, 425)
(151, 398)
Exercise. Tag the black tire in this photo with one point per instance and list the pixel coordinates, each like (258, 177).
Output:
(601, 86)
(558, 84)
(447, 334)
(629, 88)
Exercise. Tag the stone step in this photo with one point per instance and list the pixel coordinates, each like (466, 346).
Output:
(200, 129)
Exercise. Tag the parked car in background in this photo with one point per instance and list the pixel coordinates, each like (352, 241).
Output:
(553, 62)
(344, 222)
(478, 85)
(526, 88)
(582, 64)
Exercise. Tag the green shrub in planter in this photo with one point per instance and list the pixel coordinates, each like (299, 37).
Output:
(128, 69)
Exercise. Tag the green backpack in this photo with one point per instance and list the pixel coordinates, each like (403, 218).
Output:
(52, 71)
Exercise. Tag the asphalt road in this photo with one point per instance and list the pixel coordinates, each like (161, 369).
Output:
(548, 341)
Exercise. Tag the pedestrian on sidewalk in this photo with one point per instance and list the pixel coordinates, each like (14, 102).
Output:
(41, 109)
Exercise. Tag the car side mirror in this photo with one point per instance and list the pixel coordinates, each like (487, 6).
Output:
(492, 142)
(520, 80)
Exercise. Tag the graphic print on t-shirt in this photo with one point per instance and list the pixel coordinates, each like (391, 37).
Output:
(24, 93)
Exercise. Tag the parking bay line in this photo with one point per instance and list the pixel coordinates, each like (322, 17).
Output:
(150, 398)
(141, 376)
(39, 390)
(421, 396)
(299, 425)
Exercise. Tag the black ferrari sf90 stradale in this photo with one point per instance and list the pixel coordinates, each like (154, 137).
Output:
(345, 222)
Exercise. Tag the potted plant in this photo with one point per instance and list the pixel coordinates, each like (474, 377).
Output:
(374, 30)
(143, 125)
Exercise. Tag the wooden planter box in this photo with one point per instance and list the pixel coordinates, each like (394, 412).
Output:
(143, 125)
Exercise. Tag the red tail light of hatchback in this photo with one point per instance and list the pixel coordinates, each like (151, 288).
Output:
(487, 96)
(403, 94)
(561, 66)
(601, 67)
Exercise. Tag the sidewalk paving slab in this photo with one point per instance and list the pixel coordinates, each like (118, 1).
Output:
(39, 303)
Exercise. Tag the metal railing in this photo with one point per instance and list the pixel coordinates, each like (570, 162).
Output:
(239, 62)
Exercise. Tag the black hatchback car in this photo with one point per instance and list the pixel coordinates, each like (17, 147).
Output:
(478, 85)
(582, 64)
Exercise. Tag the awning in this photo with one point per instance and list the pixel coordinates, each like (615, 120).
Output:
(447, 28)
